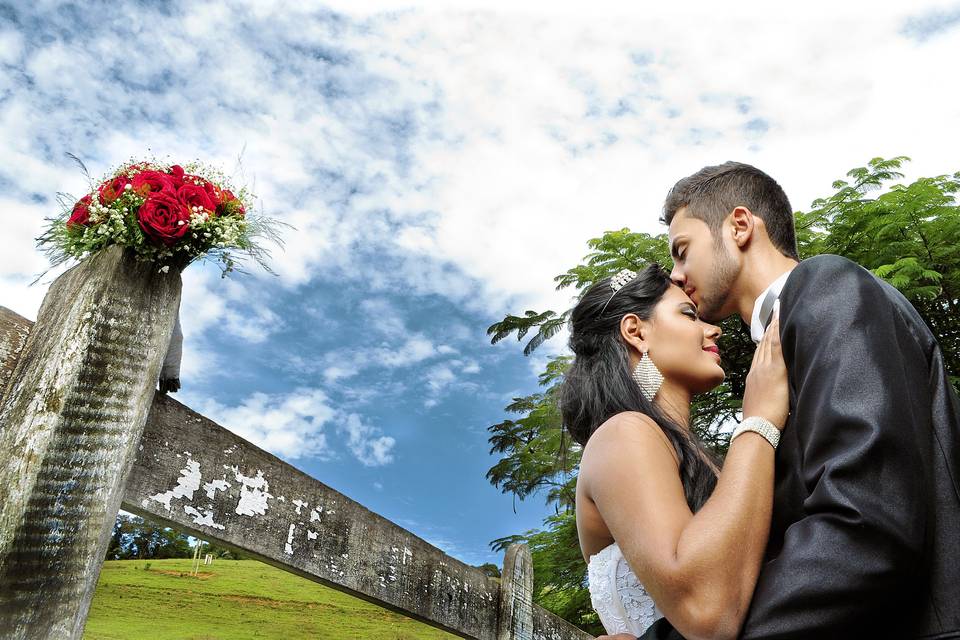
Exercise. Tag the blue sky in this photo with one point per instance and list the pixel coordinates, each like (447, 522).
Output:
(441, 163)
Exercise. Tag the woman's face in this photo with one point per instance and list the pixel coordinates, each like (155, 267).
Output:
(682, 346)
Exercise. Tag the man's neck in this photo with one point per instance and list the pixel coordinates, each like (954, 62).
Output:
(759, 274)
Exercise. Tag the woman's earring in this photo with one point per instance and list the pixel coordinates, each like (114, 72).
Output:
(647, 377)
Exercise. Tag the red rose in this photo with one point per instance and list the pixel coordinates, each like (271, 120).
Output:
(212, 190)
(147, 182)
(191, 195)
(111, 189)
(163, 218)
(176, 172)
(230, 204)
(81, 212)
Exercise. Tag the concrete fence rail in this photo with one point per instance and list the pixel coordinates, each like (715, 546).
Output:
(83, 433)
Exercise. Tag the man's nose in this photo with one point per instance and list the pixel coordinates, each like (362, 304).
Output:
(677, 277)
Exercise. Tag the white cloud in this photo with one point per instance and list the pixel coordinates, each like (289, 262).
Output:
(336, 372)
(366, 443)
(297, 424)
(414, 349)
(290, 425)
(409, 350)
(442, 378)
(471, 366)
(444, 150)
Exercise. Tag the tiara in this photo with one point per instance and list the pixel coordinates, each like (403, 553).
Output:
(616, 283)
(622, 278)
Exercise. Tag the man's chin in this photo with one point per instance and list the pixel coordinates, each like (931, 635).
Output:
(707, 314)
(712, 313)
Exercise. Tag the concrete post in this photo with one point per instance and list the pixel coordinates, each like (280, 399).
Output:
(70, 423)
(515, 621)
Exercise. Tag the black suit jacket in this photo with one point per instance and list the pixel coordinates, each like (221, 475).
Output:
(865, 535)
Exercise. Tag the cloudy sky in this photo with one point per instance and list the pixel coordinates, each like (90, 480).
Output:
(440, 163)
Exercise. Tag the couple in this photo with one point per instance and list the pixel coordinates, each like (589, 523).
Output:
(837, 511)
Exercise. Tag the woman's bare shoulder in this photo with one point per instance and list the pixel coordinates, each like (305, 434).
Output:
(629, 430)
(629, 425)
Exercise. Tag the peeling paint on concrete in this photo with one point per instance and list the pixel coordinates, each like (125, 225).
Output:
(253, 493)
(315, 514)
(188, 482)
(299, 504)
(289, 547)
(311, 535)
(202, 518)
(212, 486)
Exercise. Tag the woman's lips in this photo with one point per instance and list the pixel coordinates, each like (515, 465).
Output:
(714, 350)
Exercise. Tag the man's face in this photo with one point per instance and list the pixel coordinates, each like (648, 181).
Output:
(702, 266)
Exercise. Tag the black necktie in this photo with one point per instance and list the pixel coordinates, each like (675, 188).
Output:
(766, 308)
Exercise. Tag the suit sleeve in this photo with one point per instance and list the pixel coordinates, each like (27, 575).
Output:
(859, 378)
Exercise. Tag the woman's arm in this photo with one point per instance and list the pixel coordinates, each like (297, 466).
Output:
(700, 568)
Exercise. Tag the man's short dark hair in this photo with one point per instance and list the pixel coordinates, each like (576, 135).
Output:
(713, 192)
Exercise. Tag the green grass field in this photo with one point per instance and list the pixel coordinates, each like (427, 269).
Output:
(232, 600)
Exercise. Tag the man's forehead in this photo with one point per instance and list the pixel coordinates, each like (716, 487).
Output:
(683, 224)
(679, 224)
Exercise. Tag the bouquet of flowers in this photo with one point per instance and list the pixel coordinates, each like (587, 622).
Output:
(167, 214)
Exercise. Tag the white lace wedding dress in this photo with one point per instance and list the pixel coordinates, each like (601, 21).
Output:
(617, 595)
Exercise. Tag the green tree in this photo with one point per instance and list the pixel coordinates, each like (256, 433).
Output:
(135, 538)
(906, 235)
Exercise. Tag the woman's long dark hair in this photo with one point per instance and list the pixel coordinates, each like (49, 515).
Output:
(598, 384)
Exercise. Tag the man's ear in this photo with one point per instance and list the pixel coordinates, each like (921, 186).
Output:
(634, 331)
(742, 224)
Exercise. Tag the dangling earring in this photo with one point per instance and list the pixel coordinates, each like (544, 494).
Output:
(647, 376)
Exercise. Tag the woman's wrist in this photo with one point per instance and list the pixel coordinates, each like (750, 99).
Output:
(758, 425)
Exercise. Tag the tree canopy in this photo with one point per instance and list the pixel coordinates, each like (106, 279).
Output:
(905, 234)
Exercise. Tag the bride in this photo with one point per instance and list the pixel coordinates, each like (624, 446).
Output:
(664, 532)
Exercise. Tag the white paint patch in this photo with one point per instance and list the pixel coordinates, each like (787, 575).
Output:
(311, 534)
(300, 504)
(253, 493)
(315, 514)
(407, 553)
(202, 518)
(188, 482)
(281, 499)
(289, 547)
(211, 487)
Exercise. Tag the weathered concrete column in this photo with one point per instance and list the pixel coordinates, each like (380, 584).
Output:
(515, 621)
(14, 330)
(70, 422)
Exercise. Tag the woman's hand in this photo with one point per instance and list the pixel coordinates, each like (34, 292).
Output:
(767, 394)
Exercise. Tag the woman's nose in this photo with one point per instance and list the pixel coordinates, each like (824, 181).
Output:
(713, 332)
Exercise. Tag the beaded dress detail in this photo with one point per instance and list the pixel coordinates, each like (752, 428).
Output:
(622, 603)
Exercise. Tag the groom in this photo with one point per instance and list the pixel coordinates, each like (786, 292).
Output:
(865, 536)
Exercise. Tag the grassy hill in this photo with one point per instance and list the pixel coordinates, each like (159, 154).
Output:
(235, 600)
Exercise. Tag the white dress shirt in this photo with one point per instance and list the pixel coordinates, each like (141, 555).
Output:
(756, 325)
